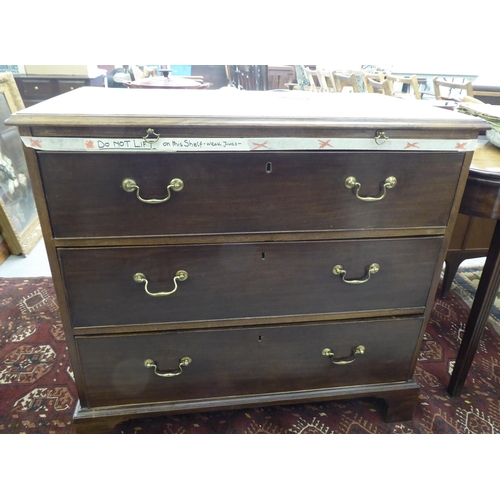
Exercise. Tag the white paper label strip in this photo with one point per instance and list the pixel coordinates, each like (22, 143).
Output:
(244, 144)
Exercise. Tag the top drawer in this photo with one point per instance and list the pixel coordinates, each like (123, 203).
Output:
(227, 193)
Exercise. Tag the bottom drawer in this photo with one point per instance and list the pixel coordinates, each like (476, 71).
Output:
(246, 361)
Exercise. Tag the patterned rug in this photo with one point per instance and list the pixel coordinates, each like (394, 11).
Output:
(465, 285)
(37, 393)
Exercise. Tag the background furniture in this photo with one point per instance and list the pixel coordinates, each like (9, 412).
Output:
(326, 80)
(455, 89)
(215, 263)
(342, 81)
(487, 89)
(481, 199)
(214, 74)
(376, 86)
(280, 76)
(248, 77)
(314, 84)
(472, 233)
(302, 80)
(410, 86)
(321, 80)
(172, 82)
(37, 88)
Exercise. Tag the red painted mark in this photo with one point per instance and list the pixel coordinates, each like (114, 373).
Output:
(35, 143)
(412, 145)
(324, 144)
(89, 144)
(461, 145)
(257, 145)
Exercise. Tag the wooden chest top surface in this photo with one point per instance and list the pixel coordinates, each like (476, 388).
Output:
(121, 107)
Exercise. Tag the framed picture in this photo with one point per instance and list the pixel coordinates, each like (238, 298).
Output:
(19, 222)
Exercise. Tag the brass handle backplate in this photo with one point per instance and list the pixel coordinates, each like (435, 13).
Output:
(381, 137)
(338, 270)
(129, 185)
(151, 137)
(360, 349)
(179, 276)
(149, 363)
(389, 183)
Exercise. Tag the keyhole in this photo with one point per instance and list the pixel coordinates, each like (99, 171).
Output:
(263, 256)
(260, 338)
(269, 167)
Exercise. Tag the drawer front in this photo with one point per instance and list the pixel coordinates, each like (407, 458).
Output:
(235, 281)
(245, 192)
(246, 361)
(38, 89)
(67, 85)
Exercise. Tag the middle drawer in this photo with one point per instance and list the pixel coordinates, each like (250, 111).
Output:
(120, 286)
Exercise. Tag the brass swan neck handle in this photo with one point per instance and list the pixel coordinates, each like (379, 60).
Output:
(179, 276)
(129, 185)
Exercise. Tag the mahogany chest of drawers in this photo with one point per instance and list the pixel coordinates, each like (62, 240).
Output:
(216, 250)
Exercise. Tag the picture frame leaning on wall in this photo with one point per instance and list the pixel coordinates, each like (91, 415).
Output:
(19, 223)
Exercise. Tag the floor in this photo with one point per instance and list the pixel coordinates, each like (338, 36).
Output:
(34, 265)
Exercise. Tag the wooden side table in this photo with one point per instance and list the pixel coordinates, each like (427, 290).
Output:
(471, 235)
(487, 89)
(481, 199)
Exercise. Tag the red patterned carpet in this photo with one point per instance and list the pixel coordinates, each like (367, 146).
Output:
(37, 393)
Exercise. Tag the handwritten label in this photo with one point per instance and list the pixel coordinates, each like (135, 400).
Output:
(123, 144)
(170, 145)
(162, 144)
(200, 144)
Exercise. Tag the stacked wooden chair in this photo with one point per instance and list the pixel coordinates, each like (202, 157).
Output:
(346, 81)
(455, 90)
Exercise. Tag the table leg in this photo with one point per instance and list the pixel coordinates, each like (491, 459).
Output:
(479, 314)
(452, 262)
